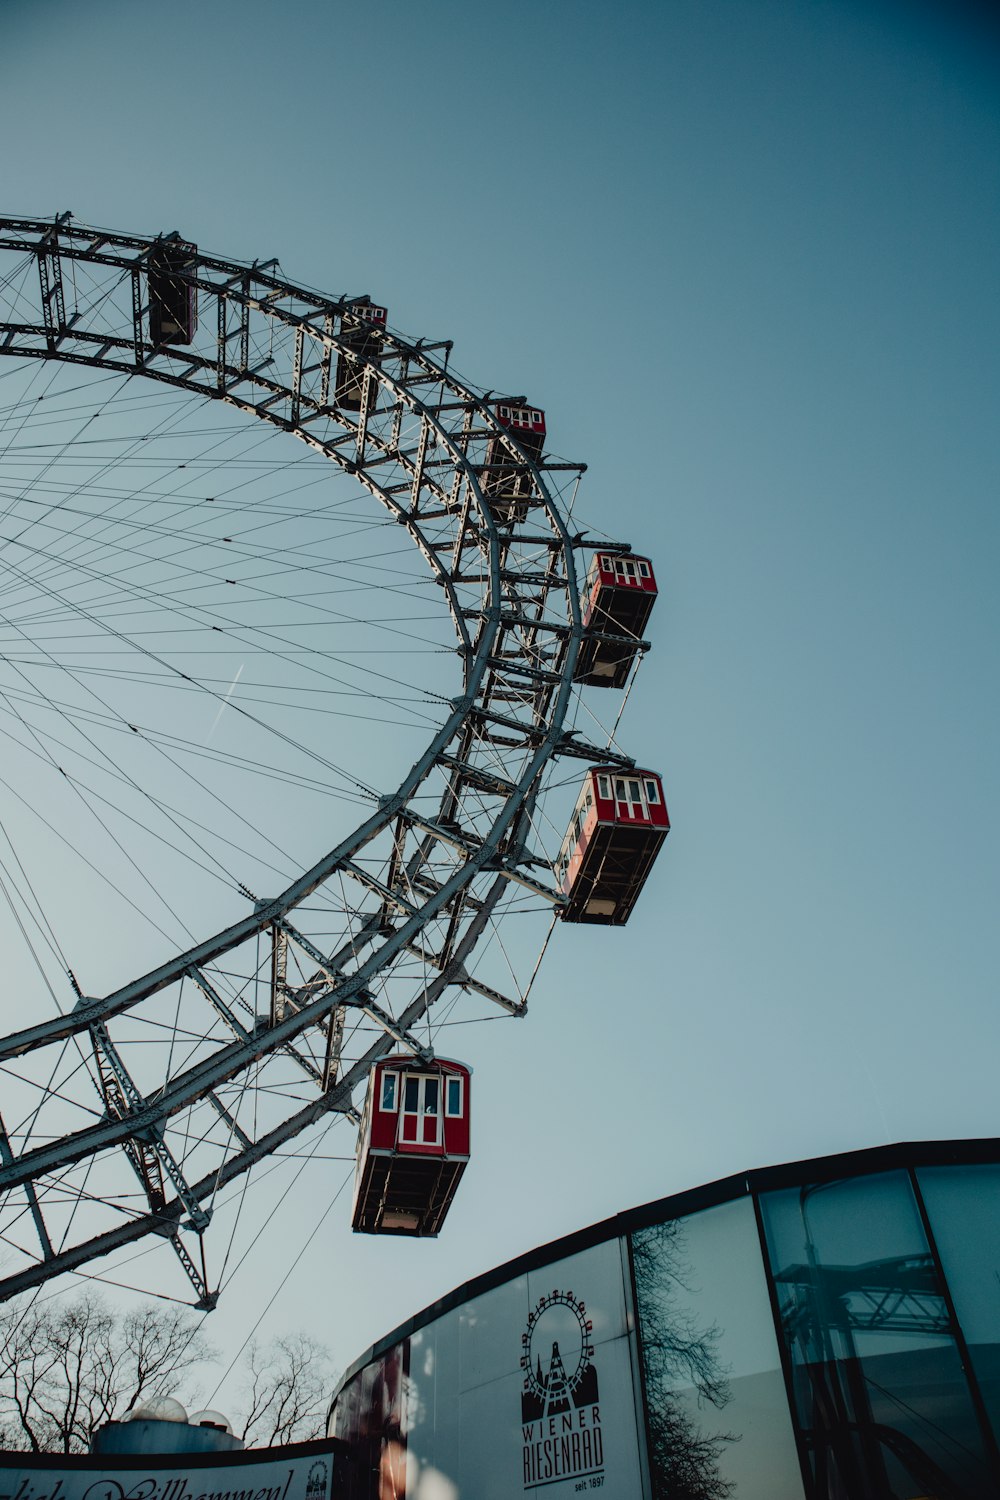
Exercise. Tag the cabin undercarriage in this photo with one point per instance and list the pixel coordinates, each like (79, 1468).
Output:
(405, 1194)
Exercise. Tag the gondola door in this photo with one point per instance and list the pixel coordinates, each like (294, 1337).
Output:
(630, 804)
(420, 1120)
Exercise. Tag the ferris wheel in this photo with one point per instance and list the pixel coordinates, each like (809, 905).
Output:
(263, 919)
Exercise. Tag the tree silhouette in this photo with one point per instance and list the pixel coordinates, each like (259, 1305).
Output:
(676, 1352)
(70, 1365)
(286, 1391)
(67, 1367)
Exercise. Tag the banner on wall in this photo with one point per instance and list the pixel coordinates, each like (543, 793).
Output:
(301, 1471)
(371, 1416)
(525, 1390)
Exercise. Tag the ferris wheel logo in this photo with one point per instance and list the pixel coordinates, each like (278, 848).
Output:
(317, 1484)
(557, 1357)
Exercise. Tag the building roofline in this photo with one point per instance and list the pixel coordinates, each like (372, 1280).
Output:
(859, 1163)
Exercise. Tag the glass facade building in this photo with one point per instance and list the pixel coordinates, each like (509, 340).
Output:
(824, 1330)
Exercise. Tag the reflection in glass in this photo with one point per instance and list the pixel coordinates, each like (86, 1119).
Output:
(717, 1411)
(882, 1400)
(963, 1206)
(683, 1462)
(370, 1414)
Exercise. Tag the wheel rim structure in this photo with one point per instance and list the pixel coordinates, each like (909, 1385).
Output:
(425, 874)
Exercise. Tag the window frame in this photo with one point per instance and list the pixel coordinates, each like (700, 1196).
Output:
(459, 1081)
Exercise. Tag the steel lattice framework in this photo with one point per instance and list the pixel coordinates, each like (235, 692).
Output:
(404, 884)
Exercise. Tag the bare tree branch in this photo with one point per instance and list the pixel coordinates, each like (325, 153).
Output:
(677, 1353)
(287, 1391)
(70, 1366)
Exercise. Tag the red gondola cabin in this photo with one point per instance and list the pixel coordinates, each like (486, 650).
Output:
(173, 299)
(507, 484)
(618, 599)
(413, 1145)
(615, 834)
(361, 335)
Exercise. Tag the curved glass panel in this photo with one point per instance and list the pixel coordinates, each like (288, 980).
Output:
(717, 1410)
(963, 1206)
(882, 1401)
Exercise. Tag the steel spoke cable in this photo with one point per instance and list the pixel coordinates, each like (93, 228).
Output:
(172, 813)
(27, 1127)
(279, 734)
(251, 509)
(24, 1129)
(244, 1088)
(216, 868)
(303, 557)
(95, 869)
(77, 1203)
(24, 934)
(170, 421)
(150, 500)
(139, 401)
(129, 639)
(612, 743)
(244, 1186)
(76, 781)
(41, 918)
(107, 467)
(74, 440)
(155, 1249)
(115, 603)
(50, 1091)
(267, 1307)
(231, 758)
(34, 402)
(351, 524)
(170, 500)
(36, 374)
(21, 276)
(19, 271)
(184, 608)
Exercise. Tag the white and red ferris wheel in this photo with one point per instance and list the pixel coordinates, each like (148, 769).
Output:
(262, 920)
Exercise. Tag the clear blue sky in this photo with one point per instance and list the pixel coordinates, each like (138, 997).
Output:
(745, 255)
